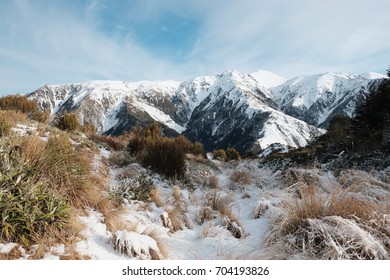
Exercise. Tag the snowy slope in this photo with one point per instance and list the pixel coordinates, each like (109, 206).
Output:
(317, 98)
(240, 112)
(372, 76)
(102, 102)
(268, 79)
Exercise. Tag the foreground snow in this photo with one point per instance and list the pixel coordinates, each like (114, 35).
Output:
(227, 211)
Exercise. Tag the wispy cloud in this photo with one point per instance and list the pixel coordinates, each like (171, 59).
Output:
(70, 41)
(296, 36)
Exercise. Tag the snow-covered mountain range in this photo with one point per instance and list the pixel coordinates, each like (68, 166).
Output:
(318, 98)
(246, 111)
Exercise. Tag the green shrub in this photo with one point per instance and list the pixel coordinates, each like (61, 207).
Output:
(134, 189)
(30, 210)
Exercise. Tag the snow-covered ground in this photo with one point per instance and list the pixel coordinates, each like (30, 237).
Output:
(233, 210)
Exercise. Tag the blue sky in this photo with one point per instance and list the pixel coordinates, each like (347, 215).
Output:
(54, 42)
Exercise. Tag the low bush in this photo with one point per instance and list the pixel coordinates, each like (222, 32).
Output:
(197, 149)
(18, 103)
(5, 127)
(140, 189)
(220, 154)
(232, 154)
(42, 117)
(162, 154)
(68, 121)
(166, 157)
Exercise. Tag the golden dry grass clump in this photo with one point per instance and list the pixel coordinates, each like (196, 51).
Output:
(345, 223)
(218, 208)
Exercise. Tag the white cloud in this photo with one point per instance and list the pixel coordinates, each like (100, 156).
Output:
(302, 35)
(57, 47)
(54, 42)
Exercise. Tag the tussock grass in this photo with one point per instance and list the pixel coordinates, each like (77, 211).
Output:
(222, 204)
(212, 182)
(336, 225)
(239, 179)
(138, 245)
(178, 219)
(155, 195)
(205, 214)
(29, 208)
(44, 185)
(158, 237)
(178, 213)
(176, 194)
(13, 117)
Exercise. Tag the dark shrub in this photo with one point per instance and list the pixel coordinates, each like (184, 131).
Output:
(232, 154)
(165, 157)
(220, 154)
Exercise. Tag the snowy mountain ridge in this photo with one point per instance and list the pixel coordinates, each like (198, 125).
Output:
(247, 111)
(317, 98)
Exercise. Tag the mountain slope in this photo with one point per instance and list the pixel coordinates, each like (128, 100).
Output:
(112, 106)
(246, 111)
(240, 112)
(317, 98)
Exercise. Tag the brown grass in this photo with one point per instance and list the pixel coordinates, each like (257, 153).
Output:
(14, 254)
(13, 117)
(177, 217)
(205, 214)
(315, 205)
(239, 179)
(176, 193)
(32, 148)
(155, 195)
(157, 236)
(212, 182)
(221, 203)
(332, 225)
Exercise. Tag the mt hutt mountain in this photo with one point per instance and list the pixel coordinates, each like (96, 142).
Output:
(232, 109)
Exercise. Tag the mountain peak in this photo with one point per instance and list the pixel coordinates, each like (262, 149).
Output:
(268, 79)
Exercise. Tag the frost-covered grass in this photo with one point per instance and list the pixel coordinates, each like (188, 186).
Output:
(334, 218)
(218, 210)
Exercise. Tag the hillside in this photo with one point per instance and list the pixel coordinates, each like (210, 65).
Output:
(218, 210)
